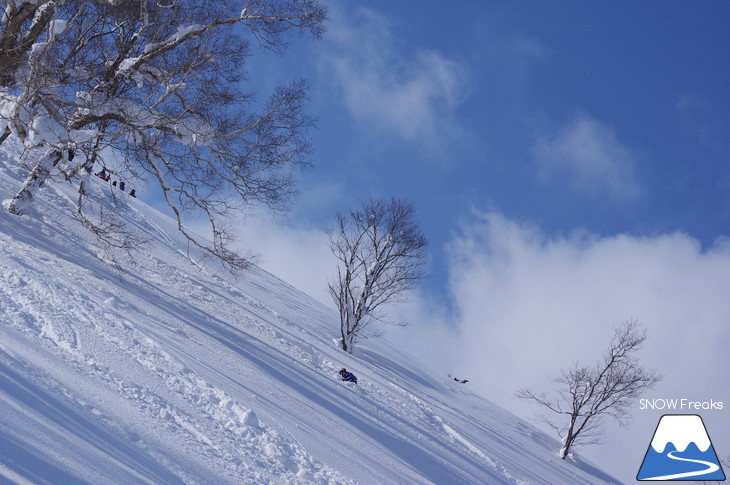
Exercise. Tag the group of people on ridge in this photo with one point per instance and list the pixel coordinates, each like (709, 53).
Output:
(106, 177)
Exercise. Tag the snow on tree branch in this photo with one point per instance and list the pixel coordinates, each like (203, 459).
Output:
(156, 81)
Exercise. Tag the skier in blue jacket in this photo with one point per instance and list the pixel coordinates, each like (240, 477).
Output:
(347, 376)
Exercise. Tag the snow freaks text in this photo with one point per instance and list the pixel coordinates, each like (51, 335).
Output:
(682, 404)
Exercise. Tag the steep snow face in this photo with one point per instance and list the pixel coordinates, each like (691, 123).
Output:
(166, 372)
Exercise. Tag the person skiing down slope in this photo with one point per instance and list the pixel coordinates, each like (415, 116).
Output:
(347, 376)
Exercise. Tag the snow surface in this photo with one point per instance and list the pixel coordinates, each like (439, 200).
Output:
(166, 373)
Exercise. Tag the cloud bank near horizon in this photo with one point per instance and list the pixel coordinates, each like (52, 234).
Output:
(529, 298)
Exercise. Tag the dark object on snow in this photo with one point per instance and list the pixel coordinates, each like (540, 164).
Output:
(462, 381)
(103, 175)
(121, 186)
(133, 192)
(347, 376)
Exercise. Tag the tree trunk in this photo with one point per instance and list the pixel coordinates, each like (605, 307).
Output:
(343, 333)
(36, 178)
(568, 441)
(5, 135)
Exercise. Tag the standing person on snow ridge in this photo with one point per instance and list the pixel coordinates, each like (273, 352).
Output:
(347, 376)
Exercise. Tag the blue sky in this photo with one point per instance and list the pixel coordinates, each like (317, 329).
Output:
(608, 118)
(569, 165)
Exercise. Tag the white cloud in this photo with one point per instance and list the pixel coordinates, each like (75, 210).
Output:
(429, 332)
(527, 305)
(701, 120)
(588, 153)
(513, 284)
(390, 90)
(298, 254)
(690, 102)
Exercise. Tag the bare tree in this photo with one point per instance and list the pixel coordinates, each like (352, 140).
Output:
(589, 392)
(381, 252)
(158, 83)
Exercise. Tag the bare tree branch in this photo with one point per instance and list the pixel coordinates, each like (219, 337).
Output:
(587, 393)
(160, 84)
(381, 251)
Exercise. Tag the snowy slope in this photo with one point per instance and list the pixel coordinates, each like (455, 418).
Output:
(166, 373)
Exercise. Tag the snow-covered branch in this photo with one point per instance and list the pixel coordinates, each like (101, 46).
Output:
(157, 80)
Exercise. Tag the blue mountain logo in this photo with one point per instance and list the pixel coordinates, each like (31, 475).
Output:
(680, 450)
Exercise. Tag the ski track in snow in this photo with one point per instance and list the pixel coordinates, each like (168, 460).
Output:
(232, 427)
(433, 417)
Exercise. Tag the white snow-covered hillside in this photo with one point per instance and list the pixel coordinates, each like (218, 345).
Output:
(163, 373)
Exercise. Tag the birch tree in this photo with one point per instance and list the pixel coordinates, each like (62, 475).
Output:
(160, 85)
(381, 251)
(587, 393)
